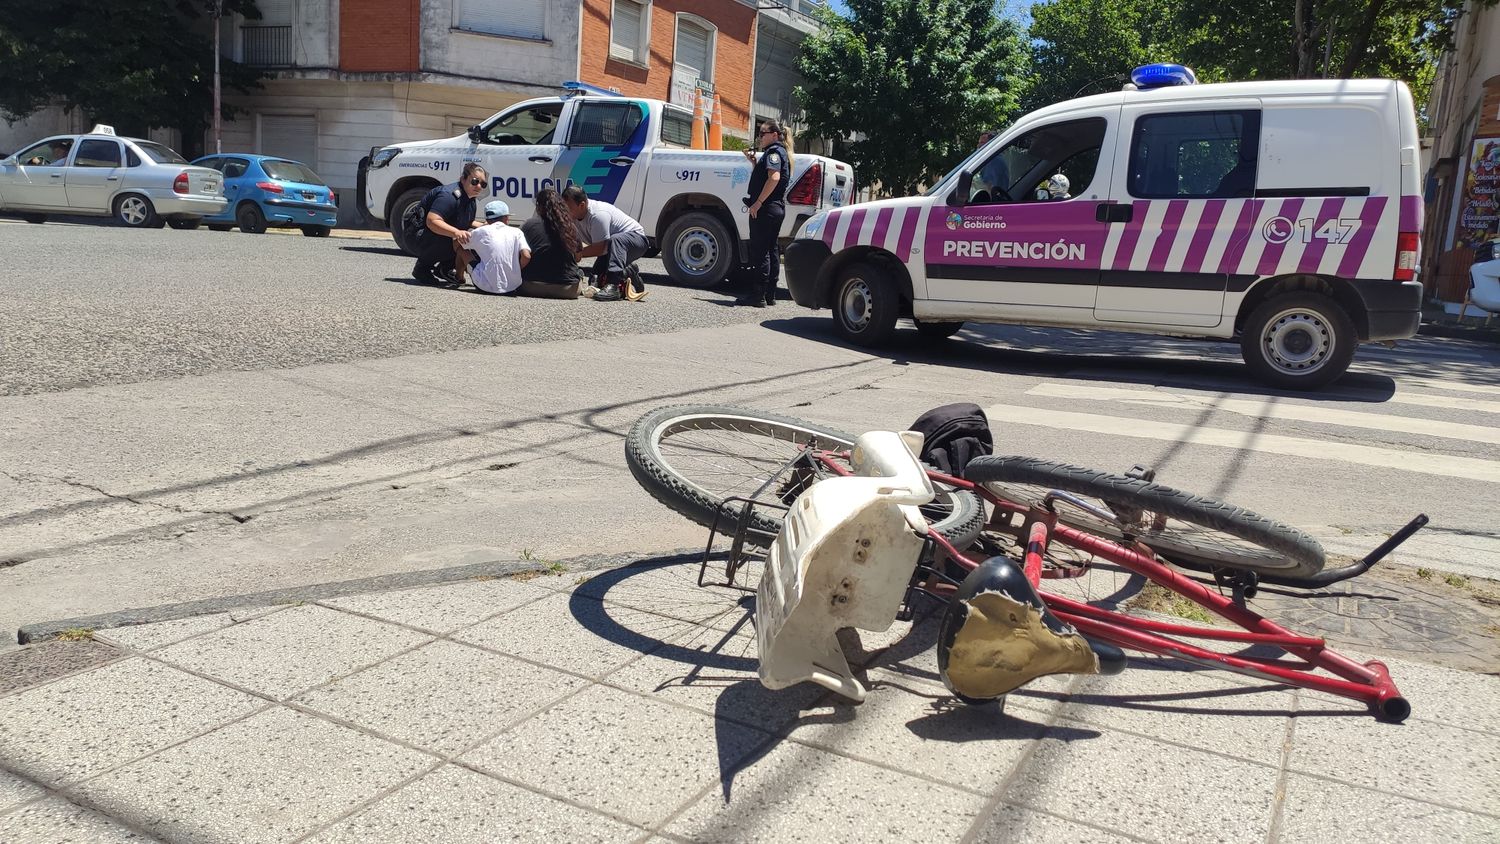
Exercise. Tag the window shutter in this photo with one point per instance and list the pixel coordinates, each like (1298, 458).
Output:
(518, 18)
(273, 13)
(625, 31)
(692, 48)
(290, 136)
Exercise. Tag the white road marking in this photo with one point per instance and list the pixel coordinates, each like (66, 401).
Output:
(1275, 408)
(1428, 464)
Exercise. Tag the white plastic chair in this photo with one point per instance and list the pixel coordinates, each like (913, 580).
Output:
(844, 557)
(1484, 290)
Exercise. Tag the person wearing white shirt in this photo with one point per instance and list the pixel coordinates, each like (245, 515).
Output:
(496, 252)
(614, 237)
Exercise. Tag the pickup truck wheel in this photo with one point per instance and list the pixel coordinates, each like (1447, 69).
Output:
(866, 306)
(1298, 341)
(398, 213)
(698, 250)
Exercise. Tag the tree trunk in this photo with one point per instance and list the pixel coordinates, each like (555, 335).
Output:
(1361, 41)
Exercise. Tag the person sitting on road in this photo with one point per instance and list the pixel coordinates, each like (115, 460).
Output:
(451, 210)
(553, 272)
(497, 252)
(616, 239)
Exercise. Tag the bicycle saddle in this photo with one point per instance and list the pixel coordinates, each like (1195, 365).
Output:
(997, 636)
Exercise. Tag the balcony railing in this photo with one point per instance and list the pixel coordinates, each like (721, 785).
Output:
(266, 46)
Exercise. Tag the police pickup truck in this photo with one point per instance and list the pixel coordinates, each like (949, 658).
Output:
(633, 153)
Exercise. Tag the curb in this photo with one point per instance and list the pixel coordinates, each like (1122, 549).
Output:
(47, 630)
(347, 234)
(1457, 332)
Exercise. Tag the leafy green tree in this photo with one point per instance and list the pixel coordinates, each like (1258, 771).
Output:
(136, 65)
(1087, 46)
(909, 84)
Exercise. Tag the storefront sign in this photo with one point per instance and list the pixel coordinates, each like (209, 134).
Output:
(1480, 212)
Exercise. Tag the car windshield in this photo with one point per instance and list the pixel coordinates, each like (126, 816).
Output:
(290, 171)
(160, 154)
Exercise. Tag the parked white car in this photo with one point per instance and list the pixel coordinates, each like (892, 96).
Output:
(141, 183)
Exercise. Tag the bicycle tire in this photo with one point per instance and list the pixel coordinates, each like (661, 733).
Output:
(1260, 544)
(957, 514)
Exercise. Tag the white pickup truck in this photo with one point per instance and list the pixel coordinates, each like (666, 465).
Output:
(627, 151)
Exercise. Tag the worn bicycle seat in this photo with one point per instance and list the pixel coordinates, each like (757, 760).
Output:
(997, 635)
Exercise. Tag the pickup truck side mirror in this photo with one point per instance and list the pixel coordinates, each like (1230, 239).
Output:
(476, 133)
(960, 196)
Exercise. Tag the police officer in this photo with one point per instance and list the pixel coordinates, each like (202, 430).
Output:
(768, 184)
(451, 210)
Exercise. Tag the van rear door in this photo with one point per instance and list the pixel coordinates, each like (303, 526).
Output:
(1187, 176)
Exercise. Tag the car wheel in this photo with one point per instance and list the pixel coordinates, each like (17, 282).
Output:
(186, 225)
(249, 218)
(1298, 341)
(34, 218)
(398, 213)
(866, 306)
(137, 212)
(316, 231)
(219, 227)
(698, 250)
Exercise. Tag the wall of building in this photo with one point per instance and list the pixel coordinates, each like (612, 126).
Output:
(536, 66)
(734, 54)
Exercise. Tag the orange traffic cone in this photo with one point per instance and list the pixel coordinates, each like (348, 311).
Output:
(716, 127)
(697, 142)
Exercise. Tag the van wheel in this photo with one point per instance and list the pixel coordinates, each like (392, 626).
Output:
(934, 331)
(398, 213)
(698, 250)
(1298, 341)
(866, 306)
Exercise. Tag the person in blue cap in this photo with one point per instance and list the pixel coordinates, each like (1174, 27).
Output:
(495, 251)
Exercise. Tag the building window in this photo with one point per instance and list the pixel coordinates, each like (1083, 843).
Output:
(512, 18)
(693, 54)
(630, 31)
(268, 42)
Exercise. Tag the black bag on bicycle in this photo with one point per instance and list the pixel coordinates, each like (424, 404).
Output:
(955, 434)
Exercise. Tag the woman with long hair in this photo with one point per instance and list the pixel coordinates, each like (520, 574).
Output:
(553, 271)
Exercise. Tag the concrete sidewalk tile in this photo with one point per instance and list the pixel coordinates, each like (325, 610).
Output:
(443, 608)
(1013, 823)
(146, 637)
(16, 790)
(1145, 788)
(799, 793)
(454, 805)
(57, 821)
(442, 697)
(716, 672)
(1445, 695)
(272, 777)
(83, 724)
(668, 590)
(1198, 708)
(574, 633)
(289, 652)
(618, 753)
(968, 746)
(1317, 811)
(32, 665)
(1420, 759)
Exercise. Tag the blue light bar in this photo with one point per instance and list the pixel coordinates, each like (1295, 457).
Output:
(1162, 75)
(586, 88)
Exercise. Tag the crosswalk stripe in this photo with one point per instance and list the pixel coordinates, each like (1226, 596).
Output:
(1430, 464)
(1457, 386)
(1274, 408)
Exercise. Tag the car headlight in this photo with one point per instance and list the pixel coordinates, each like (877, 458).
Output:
(384, 157)
(814, 225)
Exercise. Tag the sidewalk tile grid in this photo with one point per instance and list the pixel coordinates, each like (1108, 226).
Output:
(573, 633)
(16, 790)
(57, 821)
(147, 637)
(1317, 811)
(443, 608)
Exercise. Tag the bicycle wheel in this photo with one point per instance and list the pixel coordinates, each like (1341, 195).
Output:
(1177, 525)
(692, 457)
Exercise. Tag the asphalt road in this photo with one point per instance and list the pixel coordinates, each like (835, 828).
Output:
(90, 304)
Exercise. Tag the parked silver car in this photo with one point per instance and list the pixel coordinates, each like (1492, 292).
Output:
(141, 183)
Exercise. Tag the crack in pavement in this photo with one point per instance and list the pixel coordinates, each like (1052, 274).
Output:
(31, 478)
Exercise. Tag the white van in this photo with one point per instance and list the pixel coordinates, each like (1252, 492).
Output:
(1285, 214)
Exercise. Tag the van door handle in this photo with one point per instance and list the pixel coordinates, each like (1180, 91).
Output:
(622, 161)
(57, 175)
(540, 159)
(1113, 212)
(111, 178)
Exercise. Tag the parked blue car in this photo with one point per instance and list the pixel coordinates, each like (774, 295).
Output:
(265, 191)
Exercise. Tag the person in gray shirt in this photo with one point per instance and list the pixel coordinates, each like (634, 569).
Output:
(615, 238)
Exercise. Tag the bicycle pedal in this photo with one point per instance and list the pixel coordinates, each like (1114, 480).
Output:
(1142, 472)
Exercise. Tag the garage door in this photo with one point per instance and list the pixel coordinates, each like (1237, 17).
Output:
(290, 136)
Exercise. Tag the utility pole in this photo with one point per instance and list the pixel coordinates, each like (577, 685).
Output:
(218, 11)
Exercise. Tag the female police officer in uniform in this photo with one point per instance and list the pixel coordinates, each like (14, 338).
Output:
(768, 184)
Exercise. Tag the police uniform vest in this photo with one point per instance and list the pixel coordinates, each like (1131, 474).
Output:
(774, 158)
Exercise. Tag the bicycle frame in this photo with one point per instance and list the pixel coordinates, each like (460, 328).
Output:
(1369, 683)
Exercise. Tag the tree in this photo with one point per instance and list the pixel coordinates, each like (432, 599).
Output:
(909, 84)
(136, 65)
(1079, 45)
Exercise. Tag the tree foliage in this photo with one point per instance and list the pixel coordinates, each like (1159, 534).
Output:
(136, 65)
(908, 84)
(1077, 46)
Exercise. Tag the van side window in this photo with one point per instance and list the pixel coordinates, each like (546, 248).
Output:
(1204, 154)
(605, 124)
(1017, 169)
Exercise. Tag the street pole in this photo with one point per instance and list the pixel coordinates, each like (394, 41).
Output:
(218, 146)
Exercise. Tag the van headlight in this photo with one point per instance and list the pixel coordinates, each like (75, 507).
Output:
(384, 157)
(814, 225)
